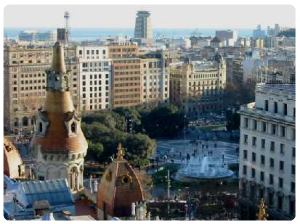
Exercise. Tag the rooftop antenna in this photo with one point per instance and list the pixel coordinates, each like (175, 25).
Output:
(67, 16)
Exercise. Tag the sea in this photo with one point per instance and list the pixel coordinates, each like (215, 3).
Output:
(88, 34)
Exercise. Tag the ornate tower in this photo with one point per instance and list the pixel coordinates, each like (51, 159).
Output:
(58, 145)
(118, 189)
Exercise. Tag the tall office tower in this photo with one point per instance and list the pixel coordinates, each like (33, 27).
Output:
(198, 86)
(25, 83)
(58, 145)
(267, 152)
(143, 27)
(94, 78)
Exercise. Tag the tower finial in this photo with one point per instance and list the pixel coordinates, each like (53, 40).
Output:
(121, 152)
(58, 62)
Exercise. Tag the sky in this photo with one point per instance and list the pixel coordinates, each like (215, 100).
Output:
(162, 16)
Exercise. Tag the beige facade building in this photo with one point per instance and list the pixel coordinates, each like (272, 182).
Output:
(155, 75)
(125, 50)
(25, 83)
(267, 151)
(126, 82)
(198, 86)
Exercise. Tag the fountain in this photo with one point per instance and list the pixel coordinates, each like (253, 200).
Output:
(204, 167)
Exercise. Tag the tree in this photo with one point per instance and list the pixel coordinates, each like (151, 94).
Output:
(164, 121)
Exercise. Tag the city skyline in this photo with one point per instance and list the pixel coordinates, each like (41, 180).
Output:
(199, 16)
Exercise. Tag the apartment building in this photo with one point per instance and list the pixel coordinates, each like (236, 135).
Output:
(125, 50)
(198, 86)
(95, 75)
(25, 83)
(126, 82)
(155, 87)
(267, 152)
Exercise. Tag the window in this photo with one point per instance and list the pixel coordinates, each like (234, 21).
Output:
(40, 127)
(293, 134)
(293, 169)
(245, 154)
(293, 187)
(253, 141)
(275, 108)
(294, 112)
(245, 170)
(271, 162)
(279, 202)
(280, 182)
(253, 173)
(266, 105)
(246, 122)
(293, 152)
(253, 157)
(264, 127)
(281, 165)
(245, 139)
(254, 124)
(271, 179)
(80, 52)
(73, 127)
(282, 131)
(262, 176)
(285, 109)
(262, 160)
(281, 148)
(272, 146)
(273, 129)
(263, 143)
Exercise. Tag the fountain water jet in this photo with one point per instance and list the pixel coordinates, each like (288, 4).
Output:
(204, 167)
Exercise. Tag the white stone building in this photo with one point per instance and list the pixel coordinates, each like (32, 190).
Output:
(267, 151)
(155, 87)
(95, 75)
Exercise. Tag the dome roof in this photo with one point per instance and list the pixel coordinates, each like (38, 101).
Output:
(119, 188)
(12, 159)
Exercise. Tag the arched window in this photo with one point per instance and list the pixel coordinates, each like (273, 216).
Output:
(73, 127)
(40, 127)
(25, 121)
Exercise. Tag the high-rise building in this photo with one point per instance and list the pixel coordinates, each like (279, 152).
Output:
(267, 152)
(143, 27)
(58, 145)
(198, 86)
(94, 78)
(226, 34)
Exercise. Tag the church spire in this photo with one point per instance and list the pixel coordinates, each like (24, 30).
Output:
(58, 62)
(57, 76)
